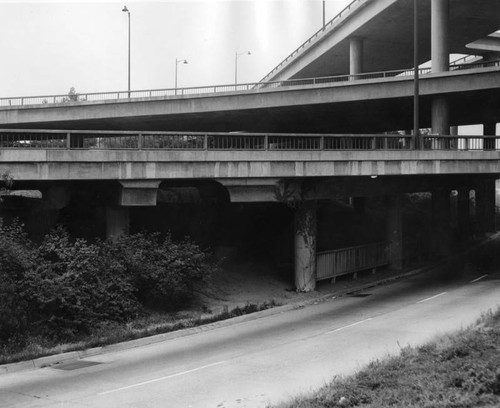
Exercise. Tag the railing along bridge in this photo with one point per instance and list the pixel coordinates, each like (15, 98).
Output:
(214, 89)
(131, 140)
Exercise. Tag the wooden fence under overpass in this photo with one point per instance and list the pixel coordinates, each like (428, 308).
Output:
(344, 261)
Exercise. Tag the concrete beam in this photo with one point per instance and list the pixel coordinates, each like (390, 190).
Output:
(139, 192)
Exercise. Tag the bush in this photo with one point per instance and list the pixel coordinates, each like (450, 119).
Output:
(74, 286)
(64, 287)
(164, 272)
(16, 257)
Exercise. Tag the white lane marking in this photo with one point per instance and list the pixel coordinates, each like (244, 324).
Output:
(478, 279)
(432, 297)
(161, 378)
(349, 325)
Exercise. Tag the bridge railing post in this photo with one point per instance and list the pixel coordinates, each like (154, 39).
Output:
(205, 141)
(139, 141)
(68, 140)
(266, 142)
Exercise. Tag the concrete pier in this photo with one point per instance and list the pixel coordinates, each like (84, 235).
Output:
(305, 246)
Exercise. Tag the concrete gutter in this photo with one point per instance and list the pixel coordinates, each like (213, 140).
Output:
(145, 341)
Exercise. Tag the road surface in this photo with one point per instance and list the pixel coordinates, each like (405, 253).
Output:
(267, 360)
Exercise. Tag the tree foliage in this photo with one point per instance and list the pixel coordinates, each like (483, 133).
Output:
(64, 287)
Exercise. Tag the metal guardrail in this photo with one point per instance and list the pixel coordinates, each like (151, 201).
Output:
(130, 140)
(343, 261)
(204, 90)
(315, 36)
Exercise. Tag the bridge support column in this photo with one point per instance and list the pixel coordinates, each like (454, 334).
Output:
(305, 246)
(117, 222)
(489, 129)
(463, 214)
(394, 231)
(440, 11)
(486, 206)
(358, 204)
(355, 55)
(440, 111)
(441, 214)
(440, 15)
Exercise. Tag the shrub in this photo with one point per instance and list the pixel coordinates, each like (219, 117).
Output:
(16, 257)
(164, 272)
(74, 286)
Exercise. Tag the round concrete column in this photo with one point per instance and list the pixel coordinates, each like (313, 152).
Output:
(441, 214)
(356, 55)
(440, 11)
(463, 214)
(305, 246)
(117, 222)
(440, 115)
(485, 206)
(394, 231)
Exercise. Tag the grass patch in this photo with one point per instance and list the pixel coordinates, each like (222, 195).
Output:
(113, 332)
(455, 371)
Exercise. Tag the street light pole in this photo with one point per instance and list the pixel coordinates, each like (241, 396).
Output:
(125, 9)
(177, 62)
(324, 14)
(236, 56)
(416, 113)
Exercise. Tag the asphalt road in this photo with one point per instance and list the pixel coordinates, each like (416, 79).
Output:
(267, 360)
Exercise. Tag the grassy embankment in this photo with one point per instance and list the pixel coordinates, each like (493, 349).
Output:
(461, 370)
(112, 333)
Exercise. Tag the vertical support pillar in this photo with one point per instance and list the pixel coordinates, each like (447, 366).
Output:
(305, 246)
(440, 111)
(489, 129)
(441, 242)
(117, 222)
(358, 204)
(355, 55)
(463, 214)
(440, 11)
(486, 206)
(394, 231)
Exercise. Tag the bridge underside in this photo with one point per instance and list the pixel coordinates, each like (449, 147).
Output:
(365, 116)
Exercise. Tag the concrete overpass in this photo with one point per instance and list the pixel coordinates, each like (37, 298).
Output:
(374, 102)
(377, 35)
(142, 169)
(299, 170)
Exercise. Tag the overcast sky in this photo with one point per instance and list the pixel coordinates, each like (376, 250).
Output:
(49, 47)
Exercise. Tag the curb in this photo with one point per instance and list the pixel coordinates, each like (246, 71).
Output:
(157, 338)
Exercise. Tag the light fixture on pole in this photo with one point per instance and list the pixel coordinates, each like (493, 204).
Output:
(125, 10)
(236, 56)
(177, 62)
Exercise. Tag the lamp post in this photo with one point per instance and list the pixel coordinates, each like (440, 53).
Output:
(177, 62)
(236, 56)
(125, 9)
(416, 120)
(324, 14)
